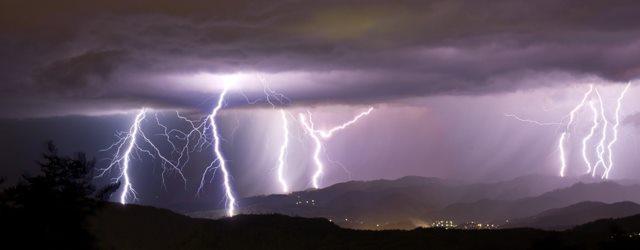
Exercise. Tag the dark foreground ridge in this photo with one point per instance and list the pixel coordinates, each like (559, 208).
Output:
(140, 227)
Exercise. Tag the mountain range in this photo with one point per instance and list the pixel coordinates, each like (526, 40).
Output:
(413, 201)
(499, 211)
(576, 214)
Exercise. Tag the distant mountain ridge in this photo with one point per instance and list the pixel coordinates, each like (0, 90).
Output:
(499, 211)
(576, 214)
(406, 201)
(414, 201)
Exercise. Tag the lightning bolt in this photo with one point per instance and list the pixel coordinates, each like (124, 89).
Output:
(328, 133)
(308, 126)
(563, 136)
(125, 146)
(272, 97)
(532, 121)
(283, 152)
(133, 132)
(586, 139)
(197, 139)
(563, 159)
(275, 99)
(325, 134)
(600, 148)
(603, 150)
(615, 131)
(222, 164)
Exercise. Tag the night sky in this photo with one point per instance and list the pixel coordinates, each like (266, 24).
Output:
(441, 75)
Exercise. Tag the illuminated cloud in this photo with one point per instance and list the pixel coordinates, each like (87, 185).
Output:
(79, 58)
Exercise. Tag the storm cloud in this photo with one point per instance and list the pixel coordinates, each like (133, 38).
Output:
(69, 57)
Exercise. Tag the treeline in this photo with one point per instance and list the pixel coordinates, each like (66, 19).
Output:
(49, 210)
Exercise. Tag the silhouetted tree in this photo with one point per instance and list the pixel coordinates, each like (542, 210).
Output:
(50, 209)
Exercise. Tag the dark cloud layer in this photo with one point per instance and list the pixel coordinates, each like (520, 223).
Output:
(72, 57)
(80, 72)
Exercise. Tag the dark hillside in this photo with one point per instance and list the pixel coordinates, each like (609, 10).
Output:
(138, 227)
